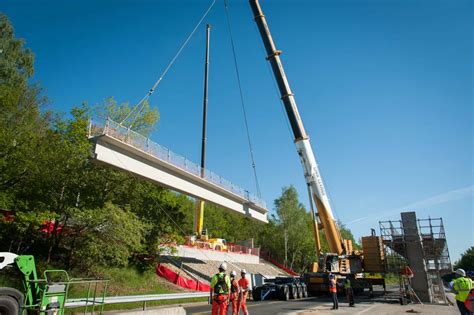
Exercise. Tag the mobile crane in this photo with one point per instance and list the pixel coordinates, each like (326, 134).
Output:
(342, 259)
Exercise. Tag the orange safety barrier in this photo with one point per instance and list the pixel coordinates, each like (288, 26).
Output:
(183, 282)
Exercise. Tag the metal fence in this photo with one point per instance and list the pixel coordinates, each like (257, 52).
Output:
(81, 302)
(138, 141)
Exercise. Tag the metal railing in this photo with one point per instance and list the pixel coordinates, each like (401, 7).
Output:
(138, 141)
(81, 302)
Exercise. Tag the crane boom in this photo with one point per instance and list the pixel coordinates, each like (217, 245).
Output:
(303, 145)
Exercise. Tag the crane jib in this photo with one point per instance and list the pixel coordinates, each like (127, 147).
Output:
(303, 146)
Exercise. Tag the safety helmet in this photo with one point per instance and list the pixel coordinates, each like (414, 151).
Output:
(460, 272)
(223, 266)
(233, 273)
(243, 271)
(331, 275)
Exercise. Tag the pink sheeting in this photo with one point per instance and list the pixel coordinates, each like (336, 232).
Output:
(183, 282)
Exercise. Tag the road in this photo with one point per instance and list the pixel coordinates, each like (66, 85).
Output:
(322, 305)
(265, 307)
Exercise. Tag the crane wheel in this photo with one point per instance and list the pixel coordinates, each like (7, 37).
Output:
(257, 294)
(9, 305)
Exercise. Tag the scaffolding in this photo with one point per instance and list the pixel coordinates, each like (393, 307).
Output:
(419, 244)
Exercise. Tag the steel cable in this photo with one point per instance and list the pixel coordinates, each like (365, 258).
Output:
(242, 102)
(168, 67)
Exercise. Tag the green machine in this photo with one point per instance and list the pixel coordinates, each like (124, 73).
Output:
(46, 295)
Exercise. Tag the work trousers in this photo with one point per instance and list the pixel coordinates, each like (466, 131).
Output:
(462, 308)
(350, 296)
(234, 299)
(243, 304)
(335, 302)
(219, 304)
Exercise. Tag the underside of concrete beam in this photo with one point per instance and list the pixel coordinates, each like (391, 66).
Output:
(118, 154)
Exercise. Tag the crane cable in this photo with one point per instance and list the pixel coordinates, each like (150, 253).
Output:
(168, 67)
(242, 102)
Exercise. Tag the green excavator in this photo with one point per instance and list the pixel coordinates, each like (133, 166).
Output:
(46, 295)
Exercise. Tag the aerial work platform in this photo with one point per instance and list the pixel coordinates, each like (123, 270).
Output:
(123, 148)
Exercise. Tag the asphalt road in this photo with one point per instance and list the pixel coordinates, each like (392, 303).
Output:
(322, 305)
(268, 307)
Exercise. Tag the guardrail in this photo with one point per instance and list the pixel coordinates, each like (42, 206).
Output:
(83, 302)
(130, 137)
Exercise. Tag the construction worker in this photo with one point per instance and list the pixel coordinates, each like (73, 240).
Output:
(220, 290)
(244, 285)
(349, 291)
(333, 291)
(462, 286)
(234, 293)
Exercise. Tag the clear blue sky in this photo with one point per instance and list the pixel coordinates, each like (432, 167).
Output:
(384, 89)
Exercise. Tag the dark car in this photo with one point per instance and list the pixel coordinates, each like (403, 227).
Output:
(282, 288)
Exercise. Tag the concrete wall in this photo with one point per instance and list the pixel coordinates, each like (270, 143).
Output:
(415, 257)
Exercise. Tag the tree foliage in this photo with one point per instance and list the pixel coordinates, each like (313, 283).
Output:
(141, 119)
(466, 261)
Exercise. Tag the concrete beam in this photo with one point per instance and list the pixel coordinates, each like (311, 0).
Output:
(121, 155)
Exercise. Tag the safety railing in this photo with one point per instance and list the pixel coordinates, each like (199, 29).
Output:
(81, 302)
(138, 141)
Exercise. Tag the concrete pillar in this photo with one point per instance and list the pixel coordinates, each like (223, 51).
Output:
(415, 257)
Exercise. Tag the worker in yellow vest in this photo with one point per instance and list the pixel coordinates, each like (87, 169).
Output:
(347, 283)
(462, 286)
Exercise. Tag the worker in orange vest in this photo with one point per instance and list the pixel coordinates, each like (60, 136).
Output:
(333, 291)
(234, 293)
(244, 285)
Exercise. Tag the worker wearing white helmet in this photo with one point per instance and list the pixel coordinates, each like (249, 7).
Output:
(461, 286)
(234, 293)
(244, 285)
(220, 290)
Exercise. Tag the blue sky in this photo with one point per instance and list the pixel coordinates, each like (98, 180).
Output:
(384, 89)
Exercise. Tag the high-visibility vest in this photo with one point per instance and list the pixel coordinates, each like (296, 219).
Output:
(470, 301)
(347, 284)
(332, 286)
(462, 286)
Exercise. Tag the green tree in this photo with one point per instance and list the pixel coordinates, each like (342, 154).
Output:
(16, 64)
(105, 236)
(466, 261)
(142, 119)
(22, 126)
(295, 226)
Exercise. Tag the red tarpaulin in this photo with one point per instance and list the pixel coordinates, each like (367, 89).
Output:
(183, 282)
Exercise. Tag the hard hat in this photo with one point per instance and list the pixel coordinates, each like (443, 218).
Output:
(331, 275)
(460, 272)
(243, 271)
(223, 266)
(233, 273)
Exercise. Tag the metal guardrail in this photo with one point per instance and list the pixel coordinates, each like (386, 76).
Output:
(130, 137)
(81, 302)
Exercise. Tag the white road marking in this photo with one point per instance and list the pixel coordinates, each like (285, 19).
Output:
(366, 310)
